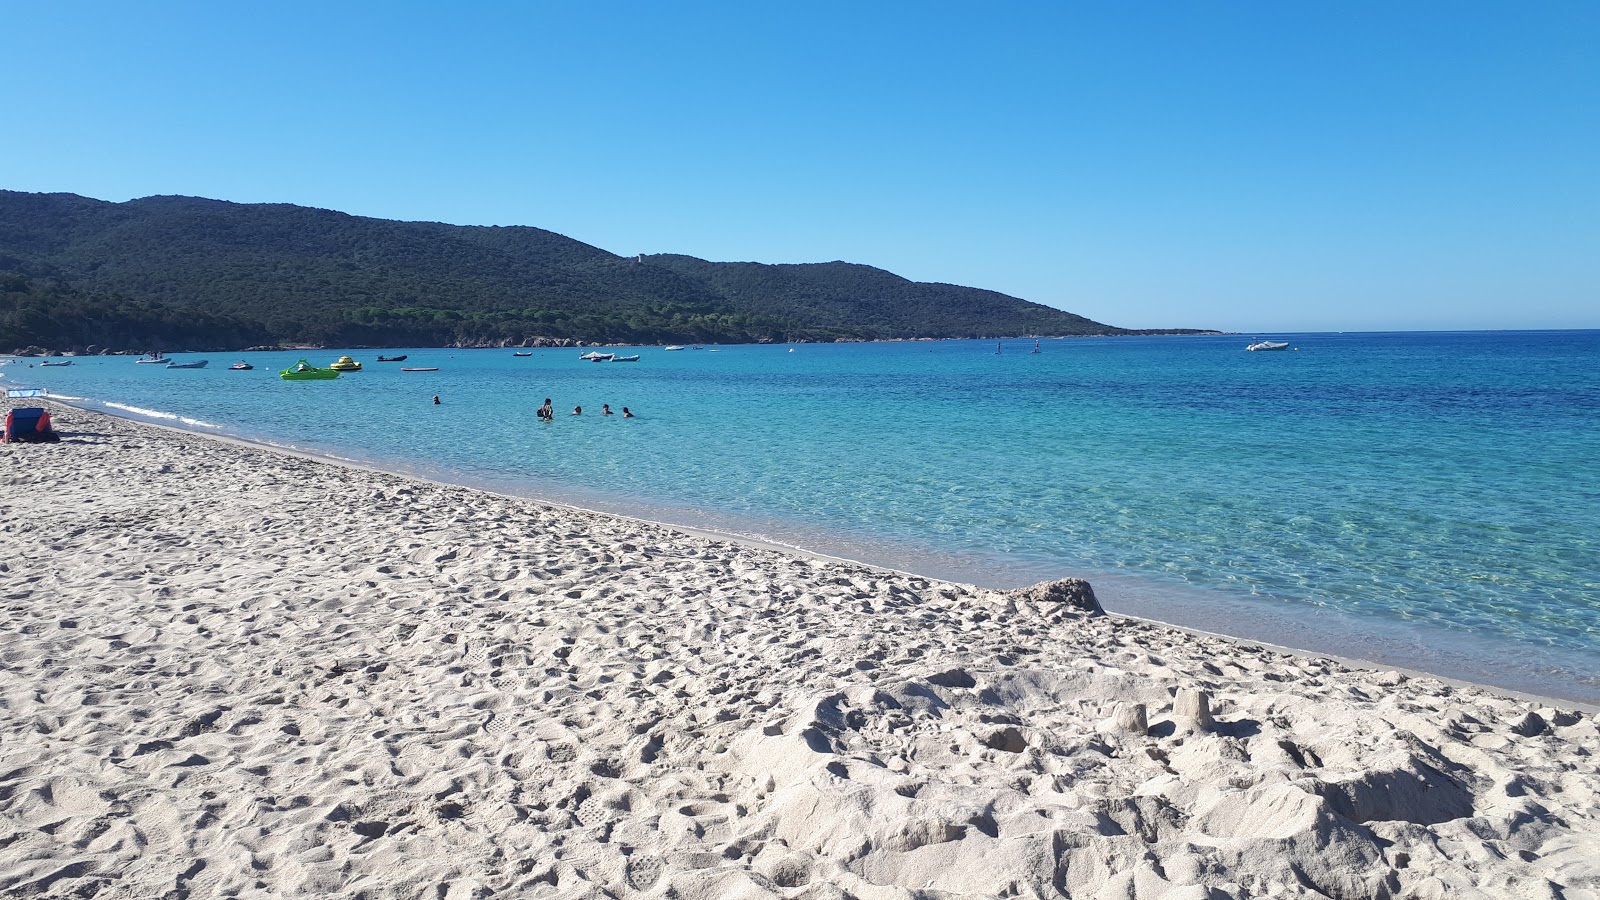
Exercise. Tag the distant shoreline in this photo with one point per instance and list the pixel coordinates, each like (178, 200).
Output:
(563, 345)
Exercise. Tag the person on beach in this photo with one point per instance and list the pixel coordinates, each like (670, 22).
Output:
(545, 412)
(605, 409)
(577, 410)
(627, 413)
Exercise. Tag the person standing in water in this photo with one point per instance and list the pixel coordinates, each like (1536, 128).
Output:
(605, 409)
(545, 412)
(435, 399)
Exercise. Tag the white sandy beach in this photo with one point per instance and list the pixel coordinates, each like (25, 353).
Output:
(227, 671)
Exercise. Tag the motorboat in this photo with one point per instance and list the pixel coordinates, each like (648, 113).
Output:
(1269, 345)
(345, 364)
(400, 358)
(420, 369)
(154, 358)
(597, 356)
(240, 366)
(197, 364)
(625, 359)
(65, 362)
(520, 353)
(304, 371)
(675, 347)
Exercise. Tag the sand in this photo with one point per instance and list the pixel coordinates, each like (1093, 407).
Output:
(229, 671)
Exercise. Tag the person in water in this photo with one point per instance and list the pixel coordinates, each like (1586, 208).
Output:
(545, 412)
(627, 413)
(577, 410)
(605, 409)
(435, 399)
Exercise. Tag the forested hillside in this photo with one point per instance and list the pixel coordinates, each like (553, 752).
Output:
(186, 273)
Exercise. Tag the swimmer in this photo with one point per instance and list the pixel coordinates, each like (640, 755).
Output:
(435, 399)
(577, 410)
(545, 412)
(605, 409)
(627, 413)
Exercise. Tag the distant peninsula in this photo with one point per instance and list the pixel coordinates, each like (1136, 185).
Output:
(81, 275)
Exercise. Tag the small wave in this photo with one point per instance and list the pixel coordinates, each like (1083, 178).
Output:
(157, 414)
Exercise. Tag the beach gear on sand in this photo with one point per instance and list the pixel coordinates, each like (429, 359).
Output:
(29, 424)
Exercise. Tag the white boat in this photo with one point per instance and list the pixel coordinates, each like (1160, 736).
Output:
(1269, 345)
(624, 359)
(155, 358)
(197, 364)
(597, 356)
(674, 347)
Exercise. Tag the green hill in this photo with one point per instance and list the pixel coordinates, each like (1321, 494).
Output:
(188, 273)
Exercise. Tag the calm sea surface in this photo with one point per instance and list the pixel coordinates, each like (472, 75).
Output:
(1423, 499)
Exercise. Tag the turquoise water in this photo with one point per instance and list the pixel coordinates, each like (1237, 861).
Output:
(1424, 499)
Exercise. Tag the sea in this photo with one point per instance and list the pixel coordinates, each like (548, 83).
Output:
(1428, 501)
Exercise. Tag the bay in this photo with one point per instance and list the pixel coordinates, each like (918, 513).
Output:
(1420, 499)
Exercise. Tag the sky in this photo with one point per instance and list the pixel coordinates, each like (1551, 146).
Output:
(1247, 166)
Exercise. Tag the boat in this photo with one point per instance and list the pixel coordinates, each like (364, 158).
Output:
(420, 369)
(240, 366)
(674, 347)
(304, 371)
(625, 359)
(197, 364)
(1269, 345)
(65, 362)
(520, 353)
(400, 358)
(156, 358)
(345, 364)
(597, 356)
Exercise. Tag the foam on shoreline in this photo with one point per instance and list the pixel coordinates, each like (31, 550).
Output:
(227, 669)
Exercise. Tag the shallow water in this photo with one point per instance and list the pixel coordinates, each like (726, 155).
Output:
(1425, 499)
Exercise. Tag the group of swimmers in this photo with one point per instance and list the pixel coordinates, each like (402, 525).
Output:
(548, 414)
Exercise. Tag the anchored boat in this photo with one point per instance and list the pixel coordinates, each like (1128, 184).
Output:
(304, 371)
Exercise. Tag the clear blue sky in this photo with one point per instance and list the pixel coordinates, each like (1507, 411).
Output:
(1252, 166)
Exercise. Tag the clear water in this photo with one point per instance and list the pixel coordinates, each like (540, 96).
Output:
(1423, 499)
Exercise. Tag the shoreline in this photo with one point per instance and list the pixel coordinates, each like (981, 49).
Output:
(229, 669)
(756, 542)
